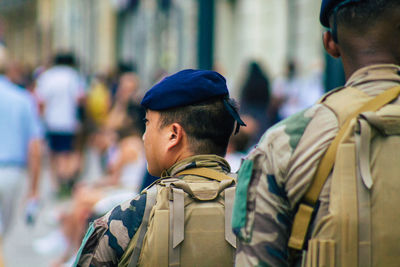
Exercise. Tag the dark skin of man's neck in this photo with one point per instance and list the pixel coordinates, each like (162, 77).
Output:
(380, 44)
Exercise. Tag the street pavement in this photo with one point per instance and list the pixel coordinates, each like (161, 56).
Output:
(38, 245)
(25, 245)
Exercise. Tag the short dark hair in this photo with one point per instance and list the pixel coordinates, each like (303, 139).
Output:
(362, 15)
(207, 124)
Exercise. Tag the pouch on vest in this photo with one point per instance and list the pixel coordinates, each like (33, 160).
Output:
(189, 224)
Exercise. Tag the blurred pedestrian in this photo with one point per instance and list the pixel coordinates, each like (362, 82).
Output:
(240, 143)
(292, 93)
(20, 149)
(61, 90)
(286, 91)
(126, 105)
(255, 97)
(98, 101)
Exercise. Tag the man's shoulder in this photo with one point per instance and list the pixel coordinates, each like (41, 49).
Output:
(54, 73)
(283, 139)
(128, 213)
(15, 94)
(290, 130)
(122, 216)
(114, 230)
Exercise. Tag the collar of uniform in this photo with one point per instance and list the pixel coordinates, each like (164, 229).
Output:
(381, 72)
(200, 161)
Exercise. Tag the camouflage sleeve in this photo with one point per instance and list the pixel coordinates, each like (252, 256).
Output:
(272, 179)
(108, 237)
(262, 228)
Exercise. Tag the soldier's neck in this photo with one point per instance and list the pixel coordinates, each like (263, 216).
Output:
(354, 63)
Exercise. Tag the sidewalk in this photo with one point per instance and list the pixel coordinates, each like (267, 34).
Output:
(40, 244)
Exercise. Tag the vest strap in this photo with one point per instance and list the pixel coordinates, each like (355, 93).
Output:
(364, 184)
(207, 173)
(176, 226)
(229, 199)
(151, 195)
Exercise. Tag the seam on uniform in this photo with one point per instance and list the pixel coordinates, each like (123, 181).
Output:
(85, 239)
(240, 204)
(84, 243)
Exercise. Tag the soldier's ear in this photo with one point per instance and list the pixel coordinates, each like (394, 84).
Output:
(330, 45)
(175, 135)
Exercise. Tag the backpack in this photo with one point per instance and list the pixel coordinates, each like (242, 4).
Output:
(361, 227)
(186, 222)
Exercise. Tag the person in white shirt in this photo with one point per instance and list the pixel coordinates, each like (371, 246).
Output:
(60, 90)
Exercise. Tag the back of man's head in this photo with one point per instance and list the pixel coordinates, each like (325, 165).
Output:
(358, 15)
(67, 59)
(208, 125)
(366, 31)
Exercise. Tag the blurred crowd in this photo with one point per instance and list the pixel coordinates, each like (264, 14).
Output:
(85, 118)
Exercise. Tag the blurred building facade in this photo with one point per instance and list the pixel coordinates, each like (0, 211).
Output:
(157, 36)
(166, 35)
(270, 32)
(36, 29)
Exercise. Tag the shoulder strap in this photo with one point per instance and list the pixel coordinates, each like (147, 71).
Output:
(364, 184)
(303, 216)
(207, 173)
(229, 199)
(176, 226)
(151, 196)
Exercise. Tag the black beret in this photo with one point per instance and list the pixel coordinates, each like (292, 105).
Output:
(328, 5)
(184, 88)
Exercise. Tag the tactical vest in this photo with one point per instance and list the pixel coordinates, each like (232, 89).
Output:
(361, 228)
(186, 222)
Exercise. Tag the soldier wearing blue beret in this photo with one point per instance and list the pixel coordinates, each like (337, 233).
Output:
(198, 100)
(189, 120)
(282, 217)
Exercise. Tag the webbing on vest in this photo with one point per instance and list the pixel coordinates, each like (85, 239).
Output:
(176, 225)
(304, 214)
(151, 195)
(229, 199)
(207, 173)
(364, 184)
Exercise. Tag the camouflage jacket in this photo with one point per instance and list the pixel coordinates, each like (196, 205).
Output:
(108, 237)
(276, 174)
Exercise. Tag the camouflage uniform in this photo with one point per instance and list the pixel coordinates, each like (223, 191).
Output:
(276, 174)
(109, 236)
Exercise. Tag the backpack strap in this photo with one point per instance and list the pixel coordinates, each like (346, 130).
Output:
(229, 199)
(207, 173)
(364, 184)
(176, 225)
(307, 205)
(151, 195)
(363, 138)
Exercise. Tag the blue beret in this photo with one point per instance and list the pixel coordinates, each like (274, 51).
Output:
(184, 88)
(328, 5)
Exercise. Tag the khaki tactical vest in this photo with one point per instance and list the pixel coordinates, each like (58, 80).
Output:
(186, 222)
(362, 226)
